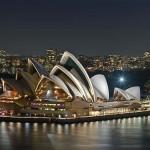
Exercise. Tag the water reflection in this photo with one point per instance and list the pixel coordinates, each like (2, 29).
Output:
(132, 133)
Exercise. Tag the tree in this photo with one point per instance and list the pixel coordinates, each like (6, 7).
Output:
(147, 86)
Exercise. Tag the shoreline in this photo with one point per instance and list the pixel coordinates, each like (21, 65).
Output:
(72, 120)
(99, 118)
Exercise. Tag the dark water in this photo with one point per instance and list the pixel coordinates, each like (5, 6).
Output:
(125, 134)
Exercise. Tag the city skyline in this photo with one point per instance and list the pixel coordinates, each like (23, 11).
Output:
(60, 50)
(82, 27)
(74, 74)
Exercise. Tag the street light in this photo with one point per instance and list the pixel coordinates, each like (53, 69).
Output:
(122, 82)
(121, 79)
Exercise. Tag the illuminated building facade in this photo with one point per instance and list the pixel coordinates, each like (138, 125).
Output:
(67, 86)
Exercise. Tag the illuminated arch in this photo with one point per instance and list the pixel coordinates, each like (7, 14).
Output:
(39, 69)
(71, 63)
(56, 81)
(72, 82)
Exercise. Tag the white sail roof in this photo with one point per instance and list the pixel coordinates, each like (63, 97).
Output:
(71, 63)
(130, 93)
(100, 86)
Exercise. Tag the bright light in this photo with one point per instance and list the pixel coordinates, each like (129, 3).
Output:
(121, 79)
(49, 93)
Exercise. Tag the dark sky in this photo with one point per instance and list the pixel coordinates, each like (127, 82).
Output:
(90, 27)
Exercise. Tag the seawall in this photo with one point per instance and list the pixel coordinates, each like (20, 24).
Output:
(99, 118)
(72, 120)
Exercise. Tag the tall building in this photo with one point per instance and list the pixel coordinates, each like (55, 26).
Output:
(2, 53)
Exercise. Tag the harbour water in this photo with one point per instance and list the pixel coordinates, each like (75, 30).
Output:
(121, 134)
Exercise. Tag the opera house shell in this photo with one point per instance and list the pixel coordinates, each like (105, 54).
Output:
(100, 86)
(67, 81)
(132, 93)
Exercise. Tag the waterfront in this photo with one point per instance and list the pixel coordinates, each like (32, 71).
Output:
(131, 133)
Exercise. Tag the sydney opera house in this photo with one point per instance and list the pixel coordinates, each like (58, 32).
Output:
(128, 94)
(67, 88)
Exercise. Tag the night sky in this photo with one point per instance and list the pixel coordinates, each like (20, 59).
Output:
(90, 27)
